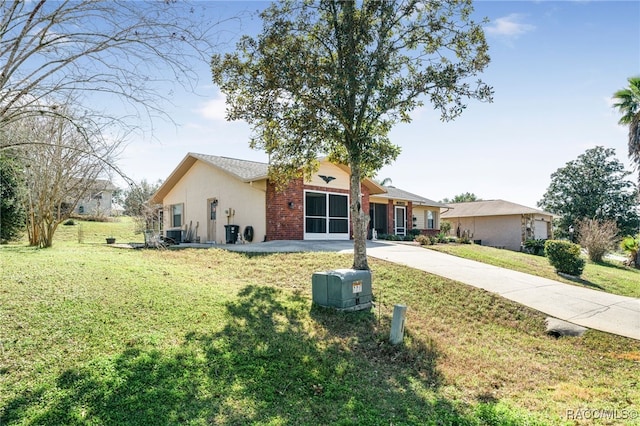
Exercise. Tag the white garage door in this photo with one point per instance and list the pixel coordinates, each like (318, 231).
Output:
(540, 230)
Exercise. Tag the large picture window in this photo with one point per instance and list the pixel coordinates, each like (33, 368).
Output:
(326, 215)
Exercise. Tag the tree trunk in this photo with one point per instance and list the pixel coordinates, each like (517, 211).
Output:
(360, 220)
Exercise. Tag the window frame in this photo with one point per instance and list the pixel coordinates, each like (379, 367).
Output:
(173, 215)
(431, 225)
(329, 221)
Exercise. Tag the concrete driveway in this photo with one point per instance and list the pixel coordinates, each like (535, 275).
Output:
(578, 305)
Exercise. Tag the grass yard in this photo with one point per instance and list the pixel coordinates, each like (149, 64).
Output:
(610, 276)
(91, 334)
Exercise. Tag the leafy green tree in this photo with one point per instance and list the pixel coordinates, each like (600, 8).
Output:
(137, 197)
(136, 204)
(594, 186)
(628, 103)
(12, 213)
(332, 78)
(462, 198)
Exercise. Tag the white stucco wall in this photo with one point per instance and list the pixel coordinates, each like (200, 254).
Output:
(99, 205)
(420, 213)
(203, 182)
(341, 180)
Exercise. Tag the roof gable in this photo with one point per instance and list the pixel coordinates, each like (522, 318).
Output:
(244, 170)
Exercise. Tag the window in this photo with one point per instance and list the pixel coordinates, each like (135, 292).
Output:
(316, 212)
(326, 213)
(431, 223)
(176, 215)
(338, 214)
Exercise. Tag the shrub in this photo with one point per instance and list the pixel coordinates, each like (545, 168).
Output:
(445, 227)
(69, 222)
(389, 237)
(442, 237)
(414, 232)
(464, 239)
(631, 246)
(93, 218)
(598, 237)
(536, 247)
(408, 238)
(564, 256)
(425, 240)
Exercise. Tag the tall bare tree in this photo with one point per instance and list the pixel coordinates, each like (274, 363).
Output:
(98, 66)
(61, 166)
(117, 49)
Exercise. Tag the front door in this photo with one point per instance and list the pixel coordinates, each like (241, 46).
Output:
(400, 219)
(212, 205)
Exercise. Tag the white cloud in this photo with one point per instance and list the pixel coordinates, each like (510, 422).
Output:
(509, 26)
(214, 109)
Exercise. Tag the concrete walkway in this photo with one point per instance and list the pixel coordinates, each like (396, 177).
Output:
(578, 305)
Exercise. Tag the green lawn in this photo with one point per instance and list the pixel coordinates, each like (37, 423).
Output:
(610, 276)
(91, 334)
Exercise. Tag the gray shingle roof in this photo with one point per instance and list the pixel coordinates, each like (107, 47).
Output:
(489, 208)
(249, 171)
(399, 194)
(243, 169)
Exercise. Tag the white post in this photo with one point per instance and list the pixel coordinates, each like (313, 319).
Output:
(397, 324)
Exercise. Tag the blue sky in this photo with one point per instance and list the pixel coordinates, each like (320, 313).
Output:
(554, 66)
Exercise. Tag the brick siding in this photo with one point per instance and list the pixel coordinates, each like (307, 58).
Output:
(286, 223)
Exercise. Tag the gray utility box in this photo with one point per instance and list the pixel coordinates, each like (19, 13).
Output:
(343, 289)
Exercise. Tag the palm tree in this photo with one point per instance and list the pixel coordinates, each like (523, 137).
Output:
(386, 182)
(628, 103)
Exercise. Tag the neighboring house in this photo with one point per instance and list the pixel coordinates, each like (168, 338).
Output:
(397, 211)
(206, 192)
(98, 200)
(498, 223)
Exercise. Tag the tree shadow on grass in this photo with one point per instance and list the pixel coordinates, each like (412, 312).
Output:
(615, 265)
(271, 363)
(581, 281)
